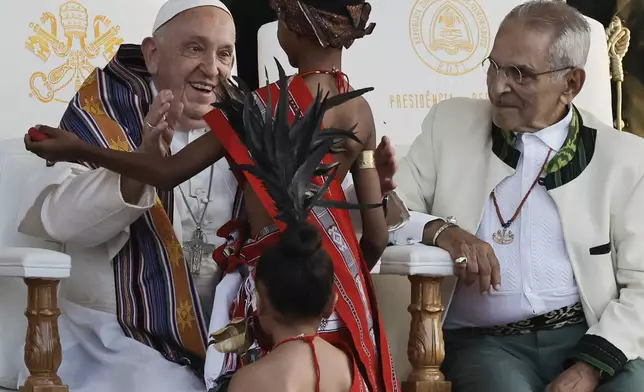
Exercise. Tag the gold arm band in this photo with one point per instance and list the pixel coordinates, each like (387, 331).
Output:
(366, 160)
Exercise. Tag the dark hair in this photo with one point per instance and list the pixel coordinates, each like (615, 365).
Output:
(297, 273)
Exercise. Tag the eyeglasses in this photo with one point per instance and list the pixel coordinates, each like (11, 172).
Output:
(514, 73)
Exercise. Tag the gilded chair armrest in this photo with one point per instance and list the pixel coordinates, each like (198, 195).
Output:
(417, 259)
(34, 263)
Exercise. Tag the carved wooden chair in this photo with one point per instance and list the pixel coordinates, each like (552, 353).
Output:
(30, 272)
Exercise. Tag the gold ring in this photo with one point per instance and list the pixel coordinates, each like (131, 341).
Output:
(147, 124)
(461, 260)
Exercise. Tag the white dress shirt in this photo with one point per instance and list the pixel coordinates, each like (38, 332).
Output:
(536, 273)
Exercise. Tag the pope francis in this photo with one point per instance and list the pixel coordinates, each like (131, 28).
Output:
(130, 321)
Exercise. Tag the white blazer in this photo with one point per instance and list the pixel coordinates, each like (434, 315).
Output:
(457, 160)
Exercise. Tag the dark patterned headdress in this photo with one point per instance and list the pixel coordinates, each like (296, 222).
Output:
(332, 23)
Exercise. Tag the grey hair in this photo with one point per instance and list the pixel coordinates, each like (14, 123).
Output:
(570, 30)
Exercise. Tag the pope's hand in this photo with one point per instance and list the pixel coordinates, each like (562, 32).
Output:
(59, 145)
(159, 123)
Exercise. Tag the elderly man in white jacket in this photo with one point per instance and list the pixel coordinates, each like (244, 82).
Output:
(543, 210)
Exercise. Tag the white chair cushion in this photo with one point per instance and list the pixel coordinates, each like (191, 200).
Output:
(34, 263)
(416, 259)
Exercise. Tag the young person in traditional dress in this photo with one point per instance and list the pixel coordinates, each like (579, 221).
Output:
(294, 278)
(356, 319)
(294, 281)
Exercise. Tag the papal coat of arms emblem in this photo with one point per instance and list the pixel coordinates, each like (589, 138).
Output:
(72, 46)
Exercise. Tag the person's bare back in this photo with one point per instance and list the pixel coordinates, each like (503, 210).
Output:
(291, 368)
(353, 112)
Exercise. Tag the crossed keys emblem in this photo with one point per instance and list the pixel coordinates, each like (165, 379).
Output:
(73, 46)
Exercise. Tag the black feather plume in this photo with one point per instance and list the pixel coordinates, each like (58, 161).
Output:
(286, 157)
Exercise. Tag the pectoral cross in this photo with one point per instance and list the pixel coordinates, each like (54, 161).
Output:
(195, 250)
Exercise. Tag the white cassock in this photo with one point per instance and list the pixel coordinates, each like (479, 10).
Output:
(84, 210)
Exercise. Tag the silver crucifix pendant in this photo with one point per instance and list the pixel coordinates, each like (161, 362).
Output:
(195, 250)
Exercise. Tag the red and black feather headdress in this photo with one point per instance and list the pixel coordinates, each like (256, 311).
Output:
(287, 156)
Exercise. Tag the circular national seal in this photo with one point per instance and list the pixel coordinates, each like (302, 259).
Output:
(451, 36)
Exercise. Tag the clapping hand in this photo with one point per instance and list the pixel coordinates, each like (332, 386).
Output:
(160, 122)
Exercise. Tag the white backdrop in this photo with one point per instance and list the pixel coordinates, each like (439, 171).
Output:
(43, 56)
(425, 51)
(409, 70)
